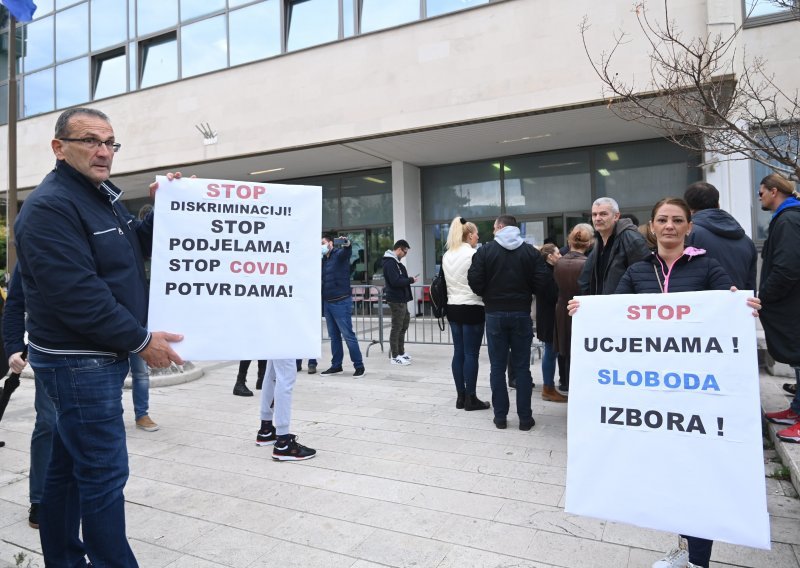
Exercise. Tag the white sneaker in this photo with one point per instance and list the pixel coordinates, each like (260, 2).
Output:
(676, 558)
(405, 356)
(399, 361)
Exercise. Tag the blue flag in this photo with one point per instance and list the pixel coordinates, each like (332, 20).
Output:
(22, 10)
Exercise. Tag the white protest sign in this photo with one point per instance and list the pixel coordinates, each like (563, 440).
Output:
(236, 269)
(664, 427)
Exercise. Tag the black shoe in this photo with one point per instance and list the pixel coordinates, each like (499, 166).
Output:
(460, 400)
(512, 383)
(472, 402)
(312, 368)
(791, 388)
(360, 372)
(526, 425)
(240, 389)
(33, 516)
(266, 437)
(563, 386)
(500, 423)
(331, 371)
(291, 451)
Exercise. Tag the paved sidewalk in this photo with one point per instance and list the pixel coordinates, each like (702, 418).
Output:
(401, 479)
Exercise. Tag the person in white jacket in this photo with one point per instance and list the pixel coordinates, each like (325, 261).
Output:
(464, 312)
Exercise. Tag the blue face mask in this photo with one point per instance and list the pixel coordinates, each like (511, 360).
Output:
(324, 250)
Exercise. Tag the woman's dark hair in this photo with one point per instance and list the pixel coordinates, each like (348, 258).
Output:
(672, 201)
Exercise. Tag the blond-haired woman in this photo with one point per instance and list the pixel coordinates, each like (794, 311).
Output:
(464, 312)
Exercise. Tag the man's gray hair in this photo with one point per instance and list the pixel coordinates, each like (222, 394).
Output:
(62, 124)
(607, 201)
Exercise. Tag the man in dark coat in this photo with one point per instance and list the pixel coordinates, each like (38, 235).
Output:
(722, 237)
(618, 244)
(780, 288)
(397, 291)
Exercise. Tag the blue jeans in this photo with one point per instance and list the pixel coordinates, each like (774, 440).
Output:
(796, 400)
(41, 441)
(340, 324)
(514, 331)
(466, 348)
(89, 461)
(549, 365)
(140, 386)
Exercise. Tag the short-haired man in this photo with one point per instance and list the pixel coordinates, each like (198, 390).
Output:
(722, 237)
(397, 291)
(780, 288)
(506, 273)
(337, 304)
(81, 263)
(618, 244)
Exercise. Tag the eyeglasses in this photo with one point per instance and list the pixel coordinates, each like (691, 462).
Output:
(761, 192)
(94, 143)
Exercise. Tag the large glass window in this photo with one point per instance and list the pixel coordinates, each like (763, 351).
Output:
(194, 8)
(437, 7)
(379, 14)
(366, 199)
(38, 89)
(37, 44)
(547, 183)
(312, 22)
(348, 18)
(109, 74)
(159, 60)
(4, 104)
(4, 53)
(638, 175)
(72, 38)
(109, 23)
(43, 7)
(204, 46)
(468, 190)
(155, 15)
(255, 32)
(72, 83)
(64, 3)
(756, 8)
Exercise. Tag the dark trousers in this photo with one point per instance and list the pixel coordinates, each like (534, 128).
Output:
(510, 331)
(466, 348)
(400, 321)
(699, 550)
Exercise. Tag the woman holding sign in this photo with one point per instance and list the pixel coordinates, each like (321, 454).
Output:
(673, 267)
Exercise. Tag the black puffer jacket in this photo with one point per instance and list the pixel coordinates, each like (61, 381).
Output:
(780, 286)
(693, 272)
(398, 284)
(723, 238)
(627, 248)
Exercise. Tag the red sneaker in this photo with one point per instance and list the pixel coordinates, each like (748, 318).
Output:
(787, 416)
(790, 434)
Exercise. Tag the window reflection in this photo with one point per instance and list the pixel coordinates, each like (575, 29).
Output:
(312, 22)
(379, 14)
(38, 89)
(71, 37)
(348, 18)
(755, 8)
(109, 23)
(43, 7)
(38, 44)
(204, 46)
(547, 183)
(235, 3)
(437, 7)
(194, 8)
(255, 32)
(154, 15)
(72, 83)
(366, 199)
(109, 74)
(4, 53)
(4, 104)
(470, 190)
(159, 60)
(64, 3)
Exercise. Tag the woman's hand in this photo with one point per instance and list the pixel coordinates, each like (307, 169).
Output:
(754, 303)
(572, 306)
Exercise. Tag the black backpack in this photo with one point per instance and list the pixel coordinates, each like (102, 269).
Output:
(438, 294)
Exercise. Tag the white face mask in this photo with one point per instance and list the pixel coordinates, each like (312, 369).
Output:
(324, 250)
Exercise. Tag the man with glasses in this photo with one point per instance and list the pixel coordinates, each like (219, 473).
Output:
(81, 264)
(779, 289)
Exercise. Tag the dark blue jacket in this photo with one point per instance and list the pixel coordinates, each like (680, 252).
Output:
(336, 273)
(693, 272)
(398, 285)
(81, 261)
(724, 240)
(14, 316)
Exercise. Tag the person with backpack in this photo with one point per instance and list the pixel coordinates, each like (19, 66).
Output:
(464, 312)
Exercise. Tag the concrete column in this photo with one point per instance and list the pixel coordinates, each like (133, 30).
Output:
(733, 179)
(407, 216)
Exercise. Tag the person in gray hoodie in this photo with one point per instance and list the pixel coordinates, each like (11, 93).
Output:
(506, 273)
(720, 235)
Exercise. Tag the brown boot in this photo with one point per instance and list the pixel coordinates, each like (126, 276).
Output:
(550, 393)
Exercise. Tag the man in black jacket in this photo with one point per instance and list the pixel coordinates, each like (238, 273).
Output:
(81, 262)
(398, 293)
(506, 273)
(618, 245)
(720, 235)
(780, 288)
